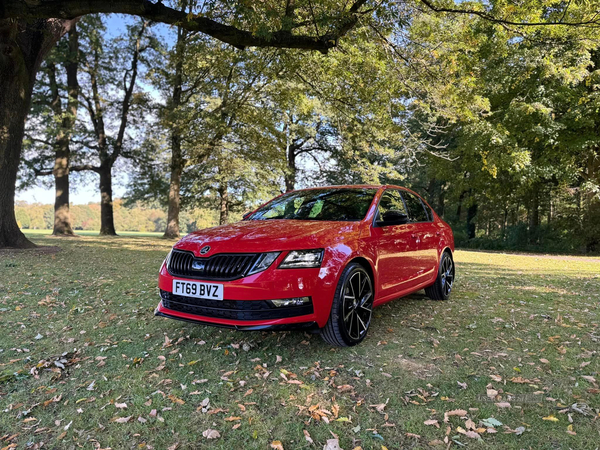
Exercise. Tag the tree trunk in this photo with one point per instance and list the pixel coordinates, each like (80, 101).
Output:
(107, 222)
(534, 213)
(290, 175)
(23, 45)
(459, 207)
(441, 206)
(223, 204)
(15, 95)
(471, 213)
(177, 161)
(62, 214)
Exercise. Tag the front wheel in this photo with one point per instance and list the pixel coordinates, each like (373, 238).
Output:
(440, 290)
(352, 308)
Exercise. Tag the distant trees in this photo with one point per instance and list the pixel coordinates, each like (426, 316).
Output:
(134, 217)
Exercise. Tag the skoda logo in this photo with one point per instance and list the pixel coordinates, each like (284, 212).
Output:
(204, 250)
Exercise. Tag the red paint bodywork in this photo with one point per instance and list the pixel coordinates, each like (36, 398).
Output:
(402, 259)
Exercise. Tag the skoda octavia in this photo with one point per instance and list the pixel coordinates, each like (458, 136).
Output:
(318, 259)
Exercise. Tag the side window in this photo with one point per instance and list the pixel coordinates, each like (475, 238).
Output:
(416, 212)
(429, 213)
(391, 200)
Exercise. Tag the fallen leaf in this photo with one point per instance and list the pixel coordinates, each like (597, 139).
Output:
(332, 444)
(121, 405)
(492, 393)
(454, 412)
(503, 405)
(175, 399)
(432, 422)
(491, 422)
(277, 445)
(211, 434)
(307, 436)
(551, 418)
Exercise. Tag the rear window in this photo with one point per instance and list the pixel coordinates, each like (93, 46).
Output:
(416, 211)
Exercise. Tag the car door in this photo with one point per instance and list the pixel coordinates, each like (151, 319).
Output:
(425, 235)
(395, 246)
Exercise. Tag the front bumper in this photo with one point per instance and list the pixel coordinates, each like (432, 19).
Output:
(247, 303)
(161, 311)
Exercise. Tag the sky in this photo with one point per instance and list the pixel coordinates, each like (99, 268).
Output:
(86, 191)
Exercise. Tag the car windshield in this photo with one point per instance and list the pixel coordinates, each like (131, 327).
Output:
(335, 204)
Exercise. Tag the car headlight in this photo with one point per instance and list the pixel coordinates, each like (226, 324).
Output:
(302, 259)
(168, 258)
(263, 262)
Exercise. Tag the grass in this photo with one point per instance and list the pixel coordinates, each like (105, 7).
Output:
(529, 321)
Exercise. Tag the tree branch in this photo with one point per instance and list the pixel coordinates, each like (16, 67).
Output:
(157, 12)
(82, 167)
(42, 172)
(593, 21)
(126, 104)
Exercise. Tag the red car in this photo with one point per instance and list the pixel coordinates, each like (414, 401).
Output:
(317, 259)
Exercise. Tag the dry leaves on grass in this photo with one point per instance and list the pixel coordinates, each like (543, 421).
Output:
(277, 445)
(454, 412)
(211, 434)
(332, 444)
(432, 422)
(307, 436)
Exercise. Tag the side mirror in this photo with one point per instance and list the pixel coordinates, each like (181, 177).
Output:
(248, 214)
(393, 218)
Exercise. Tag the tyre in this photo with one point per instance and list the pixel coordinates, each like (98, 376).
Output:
(440, 290)
(352, 308)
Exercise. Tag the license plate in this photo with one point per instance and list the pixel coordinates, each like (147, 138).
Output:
(198, 290)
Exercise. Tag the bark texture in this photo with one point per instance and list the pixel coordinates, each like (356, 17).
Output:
(23, 45)
(177, 160)
(223, 203)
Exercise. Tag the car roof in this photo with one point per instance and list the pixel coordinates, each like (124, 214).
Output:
(350, 186)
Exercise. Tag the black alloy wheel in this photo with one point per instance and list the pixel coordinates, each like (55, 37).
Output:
(352, 308)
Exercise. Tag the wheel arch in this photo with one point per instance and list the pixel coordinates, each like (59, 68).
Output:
(364, 262)
(448, 250)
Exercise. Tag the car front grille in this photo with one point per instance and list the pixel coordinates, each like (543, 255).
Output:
(224, 266)
(231, 309)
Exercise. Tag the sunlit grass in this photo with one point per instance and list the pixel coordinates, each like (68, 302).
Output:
(522, 318)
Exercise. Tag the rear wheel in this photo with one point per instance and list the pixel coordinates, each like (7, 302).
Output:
(352, 308)
(440, 290)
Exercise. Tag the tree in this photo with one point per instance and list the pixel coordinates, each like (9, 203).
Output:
(55, 112)
(110, 96)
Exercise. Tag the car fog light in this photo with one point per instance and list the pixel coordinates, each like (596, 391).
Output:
(296, 301)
